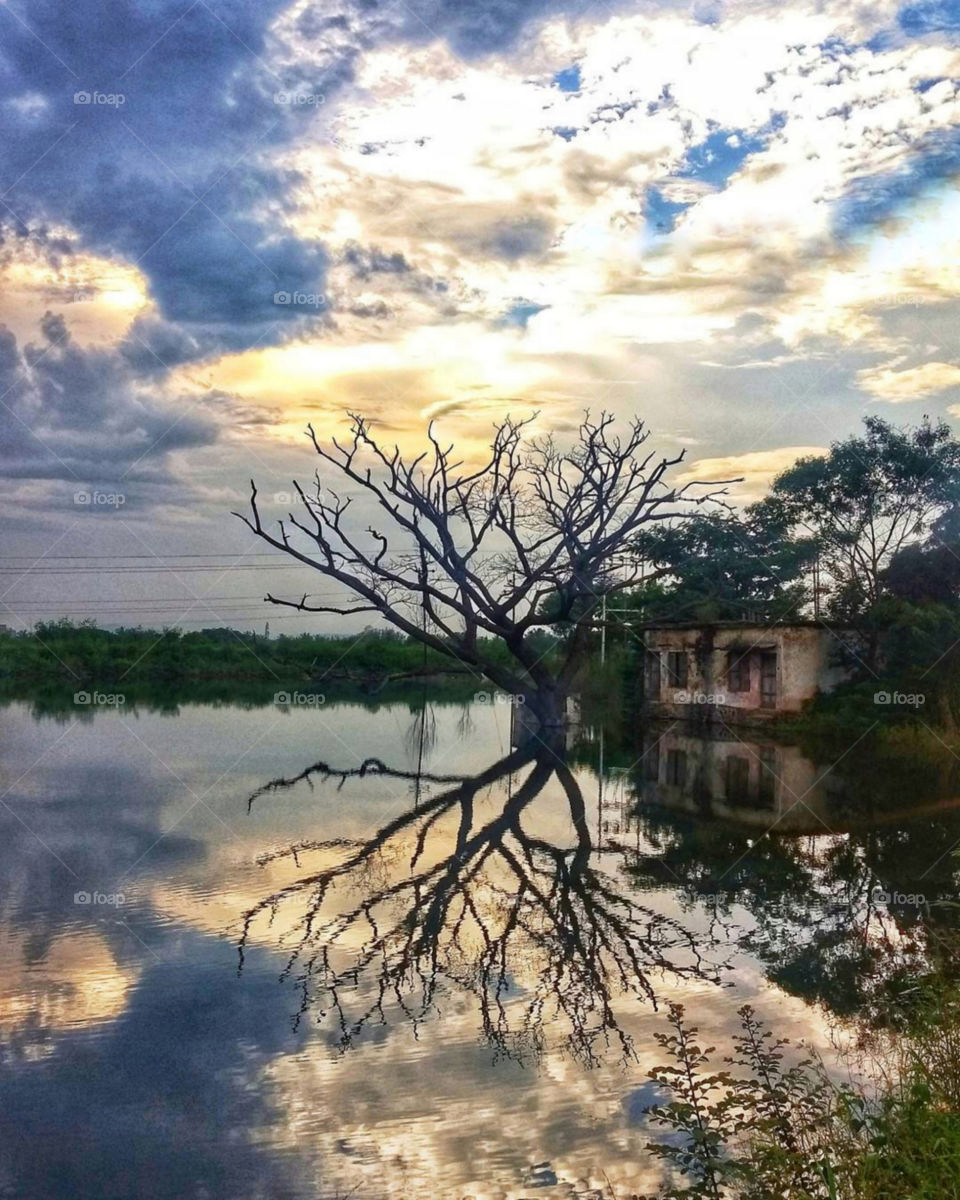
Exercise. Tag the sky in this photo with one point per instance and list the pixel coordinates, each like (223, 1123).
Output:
(221, 220)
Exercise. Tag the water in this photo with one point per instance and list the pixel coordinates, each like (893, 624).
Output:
(226, 974)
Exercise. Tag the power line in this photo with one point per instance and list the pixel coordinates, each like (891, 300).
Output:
(42, 602)
(166, 568)
(134, 612)
(146, 602)
(63, 557)
(144, 614)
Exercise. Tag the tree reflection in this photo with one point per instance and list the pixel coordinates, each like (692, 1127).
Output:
(855, 921)
(456, 893)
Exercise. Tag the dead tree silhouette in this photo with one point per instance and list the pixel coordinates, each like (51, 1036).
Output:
(533, 930)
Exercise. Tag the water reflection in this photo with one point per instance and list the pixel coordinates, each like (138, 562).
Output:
(841, 878)
(535, 896)
(752, 782)
(457, 892)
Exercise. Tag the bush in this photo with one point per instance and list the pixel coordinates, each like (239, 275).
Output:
(773, 1130)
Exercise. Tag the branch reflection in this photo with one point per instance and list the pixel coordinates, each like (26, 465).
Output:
(458, 894)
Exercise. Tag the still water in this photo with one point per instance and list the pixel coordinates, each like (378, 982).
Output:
(303, 951)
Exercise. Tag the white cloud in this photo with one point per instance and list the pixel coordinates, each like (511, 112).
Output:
(756, 469)
(910, 383)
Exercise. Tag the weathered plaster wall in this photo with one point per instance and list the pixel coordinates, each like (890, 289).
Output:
(805, 664)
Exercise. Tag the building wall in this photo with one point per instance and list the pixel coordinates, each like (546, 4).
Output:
(805, 664)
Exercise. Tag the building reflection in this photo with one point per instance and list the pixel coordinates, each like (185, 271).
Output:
(750, 781)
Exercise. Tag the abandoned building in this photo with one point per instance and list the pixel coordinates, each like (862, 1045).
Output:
(736, 671)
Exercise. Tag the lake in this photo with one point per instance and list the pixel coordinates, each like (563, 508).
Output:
(341, 949)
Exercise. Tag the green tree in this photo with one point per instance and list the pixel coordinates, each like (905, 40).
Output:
(865, 501)
(720, 565)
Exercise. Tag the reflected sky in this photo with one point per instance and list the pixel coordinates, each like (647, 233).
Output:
(507, 926)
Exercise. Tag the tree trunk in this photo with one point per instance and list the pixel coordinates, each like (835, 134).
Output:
(549, 705)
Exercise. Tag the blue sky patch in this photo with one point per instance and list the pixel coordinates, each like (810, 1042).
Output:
(661, 214)
(929, 16)
(568, 80)
(720, 155)
(519, 314)
(924, 85)
(873, 198)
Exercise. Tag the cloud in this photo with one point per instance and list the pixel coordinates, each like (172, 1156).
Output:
(757, 468)
(80, 414)
(171, 171)
(713, 248)
(910, 383)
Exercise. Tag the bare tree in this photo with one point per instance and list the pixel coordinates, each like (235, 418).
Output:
(449, 896)
(469, 561)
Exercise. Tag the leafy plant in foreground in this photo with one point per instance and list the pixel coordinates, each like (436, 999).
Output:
(787, 1132)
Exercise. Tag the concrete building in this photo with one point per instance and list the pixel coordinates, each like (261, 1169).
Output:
(741, 672)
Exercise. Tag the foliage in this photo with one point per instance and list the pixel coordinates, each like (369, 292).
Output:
(858, 510)
(720, 566)
(702, 1113)
(915, 659)
(866, 500)
(788, 1131)
(86, 654)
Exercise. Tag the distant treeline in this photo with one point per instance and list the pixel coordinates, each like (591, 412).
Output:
(86, 654)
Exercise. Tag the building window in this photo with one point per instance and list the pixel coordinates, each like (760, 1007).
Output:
(677, 668)
(738, 778)
(653, 677)
(768, 679)
(767, 788)
(738, 671)
(652, 762)
(677, 767)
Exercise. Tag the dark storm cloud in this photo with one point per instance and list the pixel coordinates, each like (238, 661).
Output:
(476, 29)
(79, 414)
(371, 265)
(157, 166)
(142, 131)
(164, 175)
